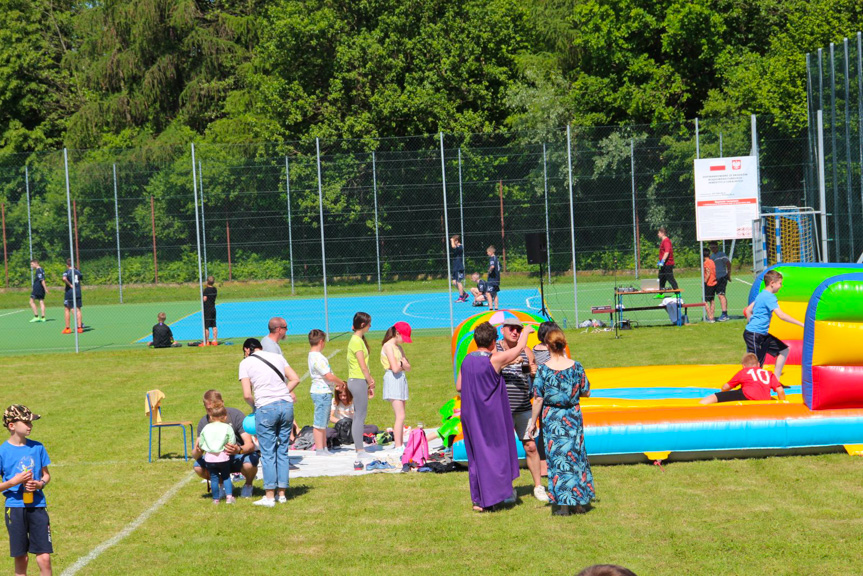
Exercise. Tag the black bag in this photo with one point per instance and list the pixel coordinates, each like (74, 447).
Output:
(343, 431)
(305, 439)
(333, 438)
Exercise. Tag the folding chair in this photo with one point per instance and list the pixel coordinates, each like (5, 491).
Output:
(154, 411)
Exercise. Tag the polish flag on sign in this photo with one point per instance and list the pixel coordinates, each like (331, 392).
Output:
(717, 168)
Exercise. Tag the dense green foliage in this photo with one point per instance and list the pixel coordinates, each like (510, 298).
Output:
(127, 85)
(120, 73)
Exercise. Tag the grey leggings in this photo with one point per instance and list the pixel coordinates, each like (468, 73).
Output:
(359, 388)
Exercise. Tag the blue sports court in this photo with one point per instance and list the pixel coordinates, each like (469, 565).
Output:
(421, 310)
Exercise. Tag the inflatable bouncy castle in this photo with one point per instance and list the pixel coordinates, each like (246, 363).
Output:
(653, 412)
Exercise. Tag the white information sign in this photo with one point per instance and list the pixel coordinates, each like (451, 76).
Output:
(726, 197)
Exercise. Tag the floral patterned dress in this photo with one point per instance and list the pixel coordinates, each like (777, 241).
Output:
(570, 480)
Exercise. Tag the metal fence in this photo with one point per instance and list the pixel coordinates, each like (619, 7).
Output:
(835, 94)
(318, 218)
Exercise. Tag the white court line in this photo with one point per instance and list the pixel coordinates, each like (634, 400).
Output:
(131, 527)
(527, 302)
(744, 281)
(15, 312)
(411, 303)
(307, 374)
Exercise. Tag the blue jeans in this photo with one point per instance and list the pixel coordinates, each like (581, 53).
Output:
(220, 476)
(273, 423)
(323, 405)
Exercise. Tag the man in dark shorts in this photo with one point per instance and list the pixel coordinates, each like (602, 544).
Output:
(244, 457)
(210, 294)
(493, 279)
(39, 291)
(723, 277)
(72, 282)
(458, 267)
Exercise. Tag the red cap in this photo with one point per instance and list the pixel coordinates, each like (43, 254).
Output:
(404, 330)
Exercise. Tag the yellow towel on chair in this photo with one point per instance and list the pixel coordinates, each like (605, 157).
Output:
(154, 398)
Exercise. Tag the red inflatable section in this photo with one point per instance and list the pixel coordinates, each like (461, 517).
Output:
(837, 387)
(795, 355)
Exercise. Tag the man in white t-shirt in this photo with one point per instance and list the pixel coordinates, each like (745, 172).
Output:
(278, 328)
(268, 382)
(324, 383)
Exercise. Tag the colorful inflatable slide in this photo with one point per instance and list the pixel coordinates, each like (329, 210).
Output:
(653, 412)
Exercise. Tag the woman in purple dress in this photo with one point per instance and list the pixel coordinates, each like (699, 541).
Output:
(486, 420)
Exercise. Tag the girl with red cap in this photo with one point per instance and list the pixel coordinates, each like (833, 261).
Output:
(395, 382)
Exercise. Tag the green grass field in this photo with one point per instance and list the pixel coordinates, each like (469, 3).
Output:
(788, 515)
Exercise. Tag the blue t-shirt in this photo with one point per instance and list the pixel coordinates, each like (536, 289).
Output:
(16, 459)
(494, 270)
(765, 303)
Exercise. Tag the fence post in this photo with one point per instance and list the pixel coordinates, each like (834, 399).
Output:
(837, 239)
(74, 311)
(547, 233)
(117, 228)
(5, 259)
(572, 219)
(29, 225)
(198, 242)
(377, 238)
(446, 234)
(461, 205)
(203, 217)
(290, 237)
(700, 243)
(822, 187)
(860, 107)
(75, 216)
(323, 251)
(153, 225)
(502, 234)
(634, 210)
(721, 155)
(228, 234)
(848, 158)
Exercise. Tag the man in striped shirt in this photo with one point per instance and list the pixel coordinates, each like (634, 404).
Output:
(517, 377)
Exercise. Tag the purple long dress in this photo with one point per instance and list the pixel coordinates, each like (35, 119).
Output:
(486, 421)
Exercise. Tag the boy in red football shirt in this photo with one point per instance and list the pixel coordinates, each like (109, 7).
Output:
(709, 285)
(755, 384)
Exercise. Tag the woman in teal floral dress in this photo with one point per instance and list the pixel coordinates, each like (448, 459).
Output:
(557, 388)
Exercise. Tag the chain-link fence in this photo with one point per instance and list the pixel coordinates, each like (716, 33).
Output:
(317, 230)
(835, 108)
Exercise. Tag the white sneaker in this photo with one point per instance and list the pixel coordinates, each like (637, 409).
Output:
(540, 494)
(281, 499)
(246, 492)
(265, 502)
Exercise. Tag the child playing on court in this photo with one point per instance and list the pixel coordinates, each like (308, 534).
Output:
(162, 335)
(24, 468)
(493, 279)
(458, 267)
(480, 290)
(213, 439)
(324, 383)
(210, 294)
(755, 384)
(758, 340)
(709, 285)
